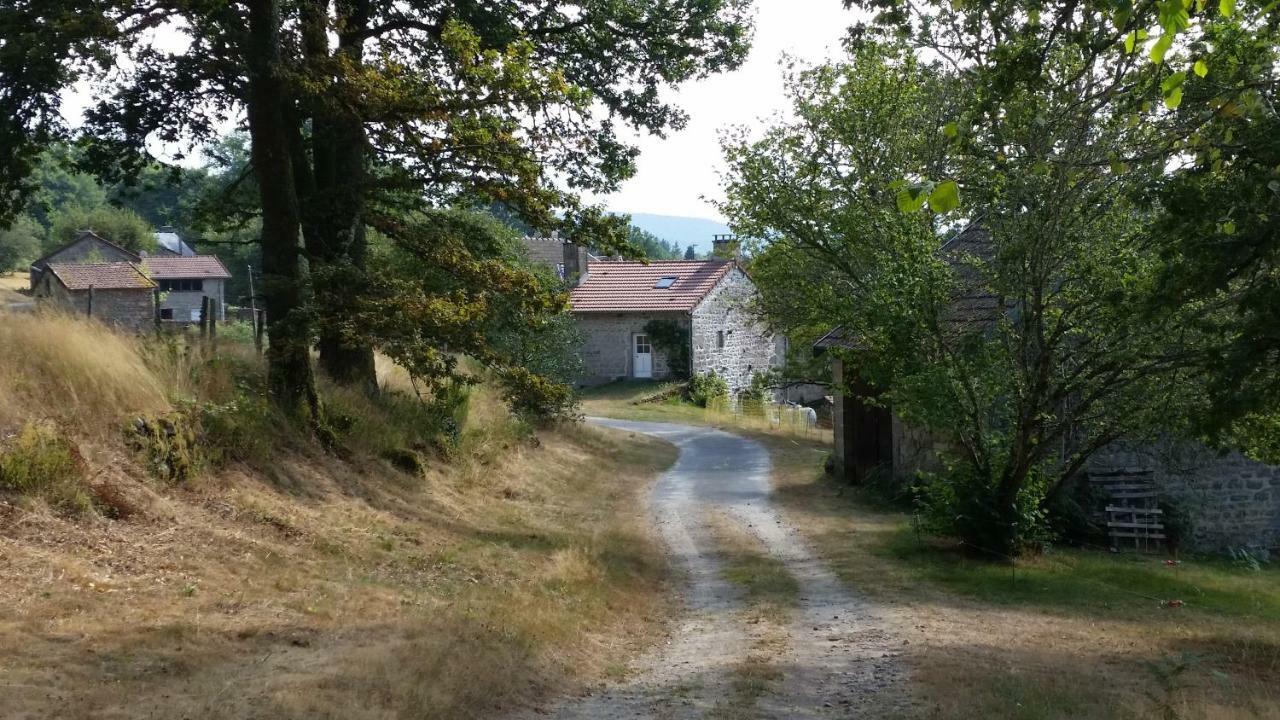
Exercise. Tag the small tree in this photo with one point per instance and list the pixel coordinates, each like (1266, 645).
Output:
(20, 243)
(1027, 342)
(122, 227)
(690, 253)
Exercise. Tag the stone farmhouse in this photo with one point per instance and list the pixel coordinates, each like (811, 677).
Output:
(614, 300)
(1231, 501)
(177, 277)
(87, 247)
(184, 282)
(117, 293)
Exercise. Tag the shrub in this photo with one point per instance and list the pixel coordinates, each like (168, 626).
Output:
(706, 389)
(672, 338)
(754, 397)
(965, 505)
(241, 430)
(42, 463)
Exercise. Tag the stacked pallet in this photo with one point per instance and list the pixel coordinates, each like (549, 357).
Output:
(1132, 514)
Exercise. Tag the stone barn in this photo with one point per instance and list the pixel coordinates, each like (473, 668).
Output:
(88, 247)
(614, 303)
(116, 293)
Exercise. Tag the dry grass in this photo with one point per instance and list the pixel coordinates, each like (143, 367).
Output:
(313, 587)
(74, 371)
(1070, 636)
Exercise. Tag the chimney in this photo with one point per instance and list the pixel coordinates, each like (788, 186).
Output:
(724, 247)
(575, 263)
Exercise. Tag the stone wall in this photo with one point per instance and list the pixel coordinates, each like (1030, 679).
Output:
(916, 450)
(1230, 500)
(132, 310)
(184, 304)
(607, 344)
(748, 346)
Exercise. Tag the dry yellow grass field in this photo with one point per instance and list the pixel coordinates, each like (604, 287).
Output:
(303, 586)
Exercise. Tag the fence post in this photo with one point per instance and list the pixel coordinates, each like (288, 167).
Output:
(155, 306)
(213, 321)
(204, 317)
(260, 326)
(89, 309)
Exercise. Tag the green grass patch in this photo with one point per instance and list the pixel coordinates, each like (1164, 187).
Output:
(1092, 582)
(41, 463)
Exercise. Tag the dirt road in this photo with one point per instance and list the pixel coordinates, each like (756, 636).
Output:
(835, 657)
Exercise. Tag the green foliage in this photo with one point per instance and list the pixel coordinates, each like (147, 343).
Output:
(976, 508)
(707, 388)
(449, 284)
(672, 338)
(41, 463)
(122, 227)
(690, 253)
(242, 429)
(652, 246)
(1030, 340)
(20, 243)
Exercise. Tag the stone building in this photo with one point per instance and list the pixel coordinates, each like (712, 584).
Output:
(708, 300)
(87, 247)
(184, 282)
(1229, 500)
(116, 293)
(567, 259)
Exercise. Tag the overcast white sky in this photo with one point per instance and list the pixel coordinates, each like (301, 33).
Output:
(676, 172)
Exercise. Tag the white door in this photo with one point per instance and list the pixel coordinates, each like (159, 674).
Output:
(642, 357)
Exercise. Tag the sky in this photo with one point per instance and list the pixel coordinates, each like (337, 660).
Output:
(677, 175)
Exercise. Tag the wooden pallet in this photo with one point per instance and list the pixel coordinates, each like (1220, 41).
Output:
(1133, 520)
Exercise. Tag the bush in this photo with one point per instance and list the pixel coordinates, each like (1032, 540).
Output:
(241, 430)
(965, 505)
(42, 463)
(672, 338)
(754, 397)
(706, 389)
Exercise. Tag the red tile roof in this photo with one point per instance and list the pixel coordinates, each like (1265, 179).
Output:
(629, 286)
(183, 268)
(101, 276)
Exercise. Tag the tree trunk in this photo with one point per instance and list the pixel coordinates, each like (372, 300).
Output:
(335, 210)
(290, 380)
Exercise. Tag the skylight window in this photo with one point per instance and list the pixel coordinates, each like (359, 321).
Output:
(664, 283)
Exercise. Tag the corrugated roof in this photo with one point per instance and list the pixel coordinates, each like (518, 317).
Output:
(101, 276)
(182, 268)
(629, 286)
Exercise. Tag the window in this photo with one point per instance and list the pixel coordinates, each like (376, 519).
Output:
(642, 345)
(719, 339)
(166, 313)
(665, 282)
(182, 285)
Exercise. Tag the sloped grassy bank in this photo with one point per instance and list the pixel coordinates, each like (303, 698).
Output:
(169, 548)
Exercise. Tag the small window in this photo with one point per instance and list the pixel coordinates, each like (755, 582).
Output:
(665, 282)
(166, 313)
(182, 285)
(719, 339)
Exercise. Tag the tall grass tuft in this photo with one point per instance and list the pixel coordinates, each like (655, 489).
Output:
(73, 370)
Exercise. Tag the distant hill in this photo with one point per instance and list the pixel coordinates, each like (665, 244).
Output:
(683, 231)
